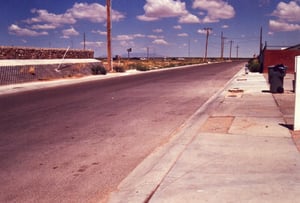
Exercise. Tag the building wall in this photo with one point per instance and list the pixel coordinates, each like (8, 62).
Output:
(42, 53)
(285, 57)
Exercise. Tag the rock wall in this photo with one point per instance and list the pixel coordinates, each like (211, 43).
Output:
(30, 73)
(7, 52)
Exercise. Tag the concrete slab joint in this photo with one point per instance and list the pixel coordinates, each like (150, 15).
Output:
(241, 145)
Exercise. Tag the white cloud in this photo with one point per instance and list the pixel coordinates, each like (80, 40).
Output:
(127, 44)
(183, 35)
(43, 16)
(177, 27)
(155, 10)
(93, 12)
(288, 17)
(43, 27)
(164, 8)
(69, 32)
(147, 18)
(152, 36)
(160, 42)
(44, 20)
(203, 31)
(124, 37)
(189, 18)
(99, 32)
(216, 10)
(16, 30)
(139, 35)
(157, 30)
(225, 26)
(289, 12)
(129, 37)
(283, 26)
(93, 44)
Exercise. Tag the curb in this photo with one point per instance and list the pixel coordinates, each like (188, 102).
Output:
(141, 184)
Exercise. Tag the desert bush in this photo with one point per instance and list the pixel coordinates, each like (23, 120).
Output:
(141, 67)
(119, 69)
(254, 65)
(98, 70)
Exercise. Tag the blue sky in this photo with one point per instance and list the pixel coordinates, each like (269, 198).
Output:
(164, 27)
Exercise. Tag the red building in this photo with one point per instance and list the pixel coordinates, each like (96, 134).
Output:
(280, 56)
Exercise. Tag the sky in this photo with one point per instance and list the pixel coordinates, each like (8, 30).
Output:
(170, 28)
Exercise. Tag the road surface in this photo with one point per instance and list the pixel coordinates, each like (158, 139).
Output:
(76, 143)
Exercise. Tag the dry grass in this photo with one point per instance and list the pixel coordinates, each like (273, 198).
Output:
(151, 64)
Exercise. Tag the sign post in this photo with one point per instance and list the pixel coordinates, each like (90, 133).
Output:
(297, 94)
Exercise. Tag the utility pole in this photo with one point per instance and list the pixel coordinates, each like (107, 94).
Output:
(237, 51)
(189, 48)
(222, 45)
(206, 46)
(84, 41)
(109, 59)
(231, 42)
(260, 41)
(147, 53)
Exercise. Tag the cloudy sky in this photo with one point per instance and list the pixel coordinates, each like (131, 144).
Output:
(164, 27)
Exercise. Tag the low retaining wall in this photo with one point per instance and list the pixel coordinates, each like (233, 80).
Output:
(13, 74)
(7, 52)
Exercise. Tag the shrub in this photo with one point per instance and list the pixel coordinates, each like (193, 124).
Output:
(143, 68)
(119, 69)
(97, 70)
(254, 65)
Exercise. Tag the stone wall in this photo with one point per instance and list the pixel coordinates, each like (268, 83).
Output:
(7, 52)
(31, 73)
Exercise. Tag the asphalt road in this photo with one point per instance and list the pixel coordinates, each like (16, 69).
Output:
(76, 143)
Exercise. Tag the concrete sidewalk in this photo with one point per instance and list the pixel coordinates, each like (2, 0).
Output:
(235, 148)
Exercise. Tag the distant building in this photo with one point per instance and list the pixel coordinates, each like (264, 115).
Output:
(285, 56)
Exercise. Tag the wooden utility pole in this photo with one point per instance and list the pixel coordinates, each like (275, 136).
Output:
(222, 45)
(260, 41)
(206, 46)
(84, 41)
(237, 51)
(231, 42)
(109, 58)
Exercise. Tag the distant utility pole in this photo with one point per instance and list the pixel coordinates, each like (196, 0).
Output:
(147, 53)
(231, 42)
(222, 45)
(260, 41)
(189, 48)
(84, 41)
(108, 11)
(207, 34)
(237, 51)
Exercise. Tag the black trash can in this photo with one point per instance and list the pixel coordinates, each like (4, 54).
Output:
(276, 75)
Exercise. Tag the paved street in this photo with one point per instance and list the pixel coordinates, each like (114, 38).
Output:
(77, 142)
